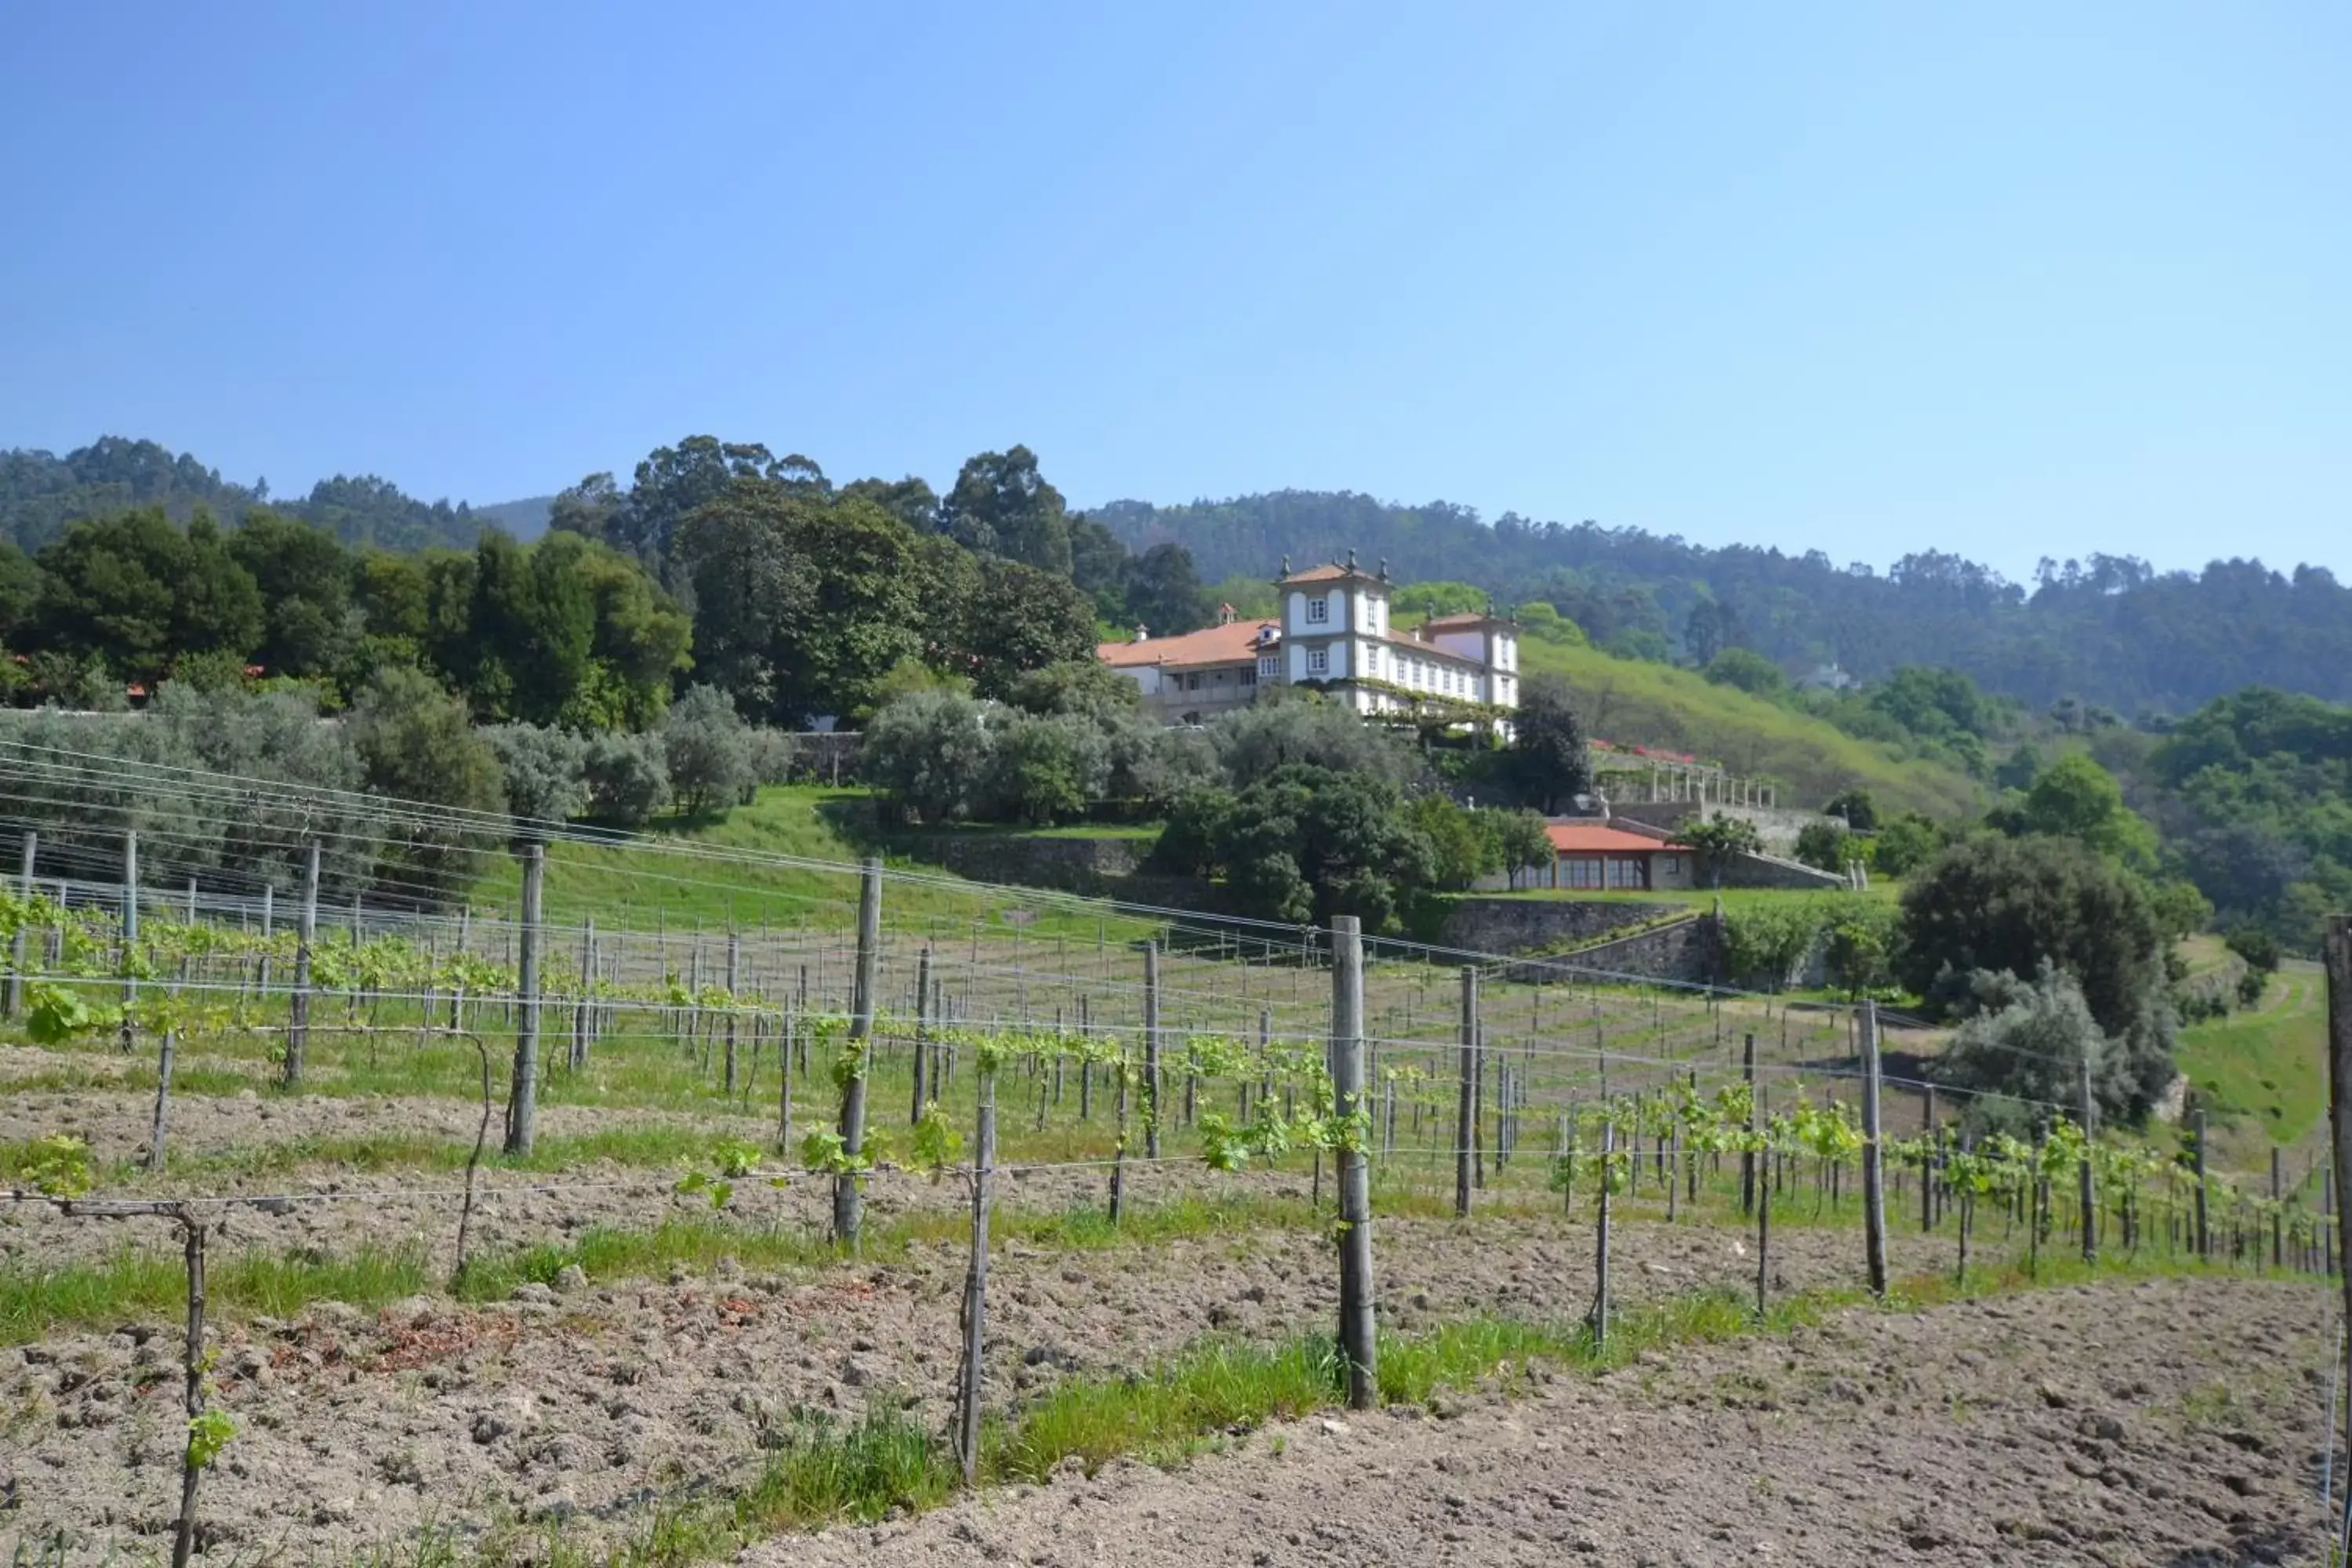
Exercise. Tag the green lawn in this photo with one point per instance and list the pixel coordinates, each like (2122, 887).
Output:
(1654, 705)
(656, 884)
(2262, 1073)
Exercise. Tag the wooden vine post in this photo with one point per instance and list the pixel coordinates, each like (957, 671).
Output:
(1752, 1145)
(848, 1201)
(129, 930)
(1151, 1050)
(306, 933)
(975, 1287)
(522, 1098)
(1873, 1155)
(1747, 1153)
(1927, 1168)
(24, 923)
(1465, 1120)
(206, 1431)
(583, 1012)
(922, 1028)
(2337, 952)
(2204, 1236)
(2085, 1194)
(1600, 1243)
(734, 969)
(1356, 1329)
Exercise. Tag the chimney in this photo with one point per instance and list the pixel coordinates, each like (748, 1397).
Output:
(1142, 632)
(1225, 614)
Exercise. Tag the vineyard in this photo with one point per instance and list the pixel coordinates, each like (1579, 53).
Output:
(351, 1222)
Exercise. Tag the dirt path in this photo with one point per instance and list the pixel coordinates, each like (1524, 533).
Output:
(2170, 1424)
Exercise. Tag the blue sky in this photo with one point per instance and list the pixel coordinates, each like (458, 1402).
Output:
(2013, 280)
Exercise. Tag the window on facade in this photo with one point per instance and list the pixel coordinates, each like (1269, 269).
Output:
(1627, 871)
(1580, 871)
(1318, 611)
(1246, 676)
(1319, 660)
(1192, 681)
(1269, 665)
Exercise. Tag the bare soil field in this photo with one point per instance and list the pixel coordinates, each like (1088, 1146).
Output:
(588, 1403)
(2175, 1423)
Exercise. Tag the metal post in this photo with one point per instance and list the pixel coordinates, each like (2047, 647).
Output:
(1355, 1178)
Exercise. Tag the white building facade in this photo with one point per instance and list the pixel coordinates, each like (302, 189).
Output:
(1333, 636)
(1336, 635)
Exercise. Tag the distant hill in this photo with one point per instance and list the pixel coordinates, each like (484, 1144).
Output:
(526, 519)
(41, 492)
(2111, 630)
(1633, 702)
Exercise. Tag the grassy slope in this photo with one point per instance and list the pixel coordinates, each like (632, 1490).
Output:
(1635, 703)
(642, 887)
(2262, 1073)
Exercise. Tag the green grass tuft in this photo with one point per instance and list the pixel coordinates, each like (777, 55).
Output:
(135, 1283)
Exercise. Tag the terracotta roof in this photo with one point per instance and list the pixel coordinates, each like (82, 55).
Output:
(1575, 838)
(1214, 645)
(1331, 572)
(1465, 619)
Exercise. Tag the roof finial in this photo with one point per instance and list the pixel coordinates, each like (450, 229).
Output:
(1351, 558)
(1384, 568)
(1285, 566)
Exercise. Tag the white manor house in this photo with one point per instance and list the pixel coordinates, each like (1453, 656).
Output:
(1334, 635)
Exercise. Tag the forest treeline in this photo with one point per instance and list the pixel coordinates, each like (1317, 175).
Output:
(2110, 630)
(718, 563)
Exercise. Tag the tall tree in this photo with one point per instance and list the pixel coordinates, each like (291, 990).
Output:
(1024, 619)
(801, 608)
(1550, 766)
(673, 481)
(138, 591)
(1164, 593)
(911, 499)
(304, 576)
(1002, 506)
(2008, 905)
(1099, 567)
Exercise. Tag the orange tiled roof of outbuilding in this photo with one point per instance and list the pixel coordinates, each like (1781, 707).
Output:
(1576, 838)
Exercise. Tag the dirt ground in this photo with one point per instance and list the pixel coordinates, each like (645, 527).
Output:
(2135, 1424)
(2177, 1423)
(584, 1404)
